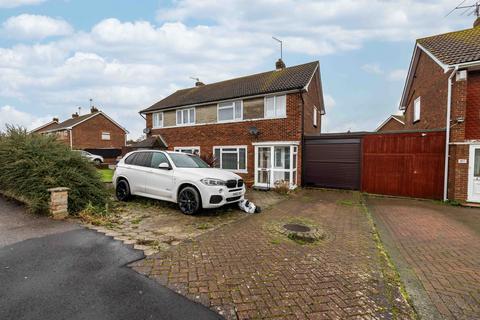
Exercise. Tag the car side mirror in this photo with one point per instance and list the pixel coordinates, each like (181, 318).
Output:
(164, 166)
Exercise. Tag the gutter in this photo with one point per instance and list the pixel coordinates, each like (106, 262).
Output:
(447, 134)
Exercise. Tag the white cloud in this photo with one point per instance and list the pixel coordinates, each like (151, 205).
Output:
(329, 101)
(29, 26)
(18, 3)
(12, 116)
(397, 75)
(373, 68)
(126, 66)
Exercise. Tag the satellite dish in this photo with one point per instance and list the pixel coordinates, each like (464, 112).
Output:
(147, 130)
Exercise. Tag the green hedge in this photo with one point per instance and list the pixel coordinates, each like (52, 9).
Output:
(32, 163)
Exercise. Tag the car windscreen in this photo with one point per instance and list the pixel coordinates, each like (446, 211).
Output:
(182, 160)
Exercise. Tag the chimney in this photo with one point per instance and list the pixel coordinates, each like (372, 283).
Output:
(55, 120)
(93, 109)
(75, 115)
(477, 22)
(199, 83)
(279, 65)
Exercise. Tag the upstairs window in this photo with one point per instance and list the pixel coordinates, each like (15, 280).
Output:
(105, 135)
(185, 116)
(158, 119)
(416, 109)
(230, 111)
(315, 116)
(276, 106)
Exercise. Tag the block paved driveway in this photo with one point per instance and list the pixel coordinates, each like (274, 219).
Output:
(436, 248)
(249, 270)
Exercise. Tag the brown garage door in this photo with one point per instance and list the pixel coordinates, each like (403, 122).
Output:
(404, 164)
(332, 161)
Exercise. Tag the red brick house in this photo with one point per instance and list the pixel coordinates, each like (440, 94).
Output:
(442, 91)
(253, 125)
(94, 132)
(393, 123)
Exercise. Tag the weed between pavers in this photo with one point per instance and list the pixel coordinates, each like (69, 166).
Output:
(389, 271)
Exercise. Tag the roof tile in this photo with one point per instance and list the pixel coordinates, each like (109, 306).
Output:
(454, 47)
(295, 77)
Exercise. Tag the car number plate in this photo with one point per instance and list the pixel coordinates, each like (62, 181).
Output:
(238, 193)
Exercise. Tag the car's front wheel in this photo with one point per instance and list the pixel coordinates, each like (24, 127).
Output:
(189, 200)
(122, 191)
(97, 162)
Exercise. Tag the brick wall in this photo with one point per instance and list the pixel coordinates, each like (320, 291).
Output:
(89, 134)
(50, 126)
(472, 119)
(430, 83)
(391, 125)
(313, 97)
(237, 133)
(458, 173)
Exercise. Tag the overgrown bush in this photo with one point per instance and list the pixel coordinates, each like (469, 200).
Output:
(32, 163)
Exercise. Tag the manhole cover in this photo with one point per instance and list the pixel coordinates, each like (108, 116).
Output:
(296, 227)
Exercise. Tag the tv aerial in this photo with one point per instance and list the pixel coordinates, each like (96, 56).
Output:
(469, 10)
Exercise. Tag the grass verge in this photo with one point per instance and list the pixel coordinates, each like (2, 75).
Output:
(106, 174)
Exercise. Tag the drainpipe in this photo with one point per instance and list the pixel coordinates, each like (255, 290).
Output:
(447, 137)
(71, 139)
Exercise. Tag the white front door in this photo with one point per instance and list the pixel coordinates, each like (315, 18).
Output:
(274, 164)
(474, 174)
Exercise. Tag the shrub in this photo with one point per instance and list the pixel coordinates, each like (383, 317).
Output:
(32, 163)
(282, 187)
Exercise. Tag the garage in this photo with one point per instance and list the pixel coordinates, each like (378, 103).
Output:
(333, 161)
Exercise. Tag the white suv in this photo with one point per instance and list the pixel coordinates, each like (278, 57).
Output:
(177, 177)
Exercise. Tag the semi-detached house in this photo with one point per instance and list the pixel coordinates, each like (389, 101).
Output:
(253, 125)
(442, 91)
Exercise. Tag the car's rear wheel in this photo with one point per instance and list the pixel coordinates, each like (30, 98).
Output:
(122, 191)
(189, 200)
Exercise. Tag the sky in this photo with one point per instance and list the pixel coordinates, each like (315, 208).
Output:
(126, 55)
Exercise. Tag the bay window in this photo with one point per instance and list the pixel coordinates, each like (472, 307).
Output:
(231, 158)
(276, 106)
(230, 111)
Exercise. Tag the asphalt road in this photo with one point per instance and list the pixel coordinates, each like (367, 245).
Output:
(58, 270)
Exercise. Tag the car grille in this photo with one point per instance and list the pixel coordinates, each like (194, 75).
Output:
(234, 183)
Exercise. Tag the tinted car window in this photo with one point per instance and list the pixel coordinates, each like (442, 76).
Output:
(143, 159)
(131, 158)
(157, 158)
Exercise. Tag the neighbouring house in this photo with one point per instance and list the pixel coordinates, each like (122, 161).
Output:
(253, 125)
(94, 132)
(442, 91)
(393, 123)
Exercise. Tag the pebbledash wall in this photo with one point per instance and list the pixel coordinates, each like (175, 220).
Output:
(237, 134)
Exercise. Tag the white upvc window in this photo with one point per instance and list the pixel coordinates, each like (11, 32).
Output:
(417, 106)
(276, 106)
(185, 116)
(230, 111)
(191, 150)
(232, 158)
(315, 116)
(157, 119)
(105, 135)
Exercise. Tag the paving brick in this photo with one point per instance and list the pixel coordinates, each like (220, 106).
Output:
(441, 245)
(259, 276)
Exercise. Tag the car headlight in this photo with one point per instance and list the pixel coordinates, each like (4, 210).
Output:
(213, 182)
